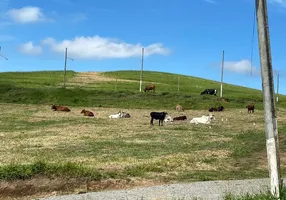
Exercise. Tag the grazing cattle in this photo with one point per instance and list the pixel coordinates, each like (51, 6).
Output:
(60, 108)
(202, 120)
(209, 91)
(168, 119)
(150, 87)
(250, 108)
(179, 108)
(87, 113)
(158, 116)
(180, 118)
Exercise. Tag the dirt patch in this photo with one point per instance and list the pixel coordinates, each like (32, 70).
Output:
(41, 187)
(93, 77)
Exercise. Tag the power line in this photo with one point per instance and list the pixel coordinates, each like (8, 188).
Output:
(3, 55)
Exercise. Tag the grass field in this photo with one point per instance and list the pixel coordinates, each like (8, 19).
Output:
(91, 154)
(95, 89)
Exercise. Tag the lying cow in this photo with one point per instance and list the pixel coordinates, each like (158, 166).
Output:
(168, 119)
(212, 109)
(115, 116)
(179, 108)
(250, 108)
(150, 87)
(158, 116)
(202, 120)
(180, 118)
(125, 115)
(60, 108)
(87, 113)
(209, 91)
(218, 109)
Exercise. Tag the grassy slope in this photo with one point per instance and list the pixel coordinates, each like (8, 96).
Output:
(142, 153)
(44, 88)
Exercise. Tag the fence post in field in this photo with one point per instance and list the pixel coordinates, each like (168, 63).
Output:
(178, 84)
(141, 73)
(221, 80)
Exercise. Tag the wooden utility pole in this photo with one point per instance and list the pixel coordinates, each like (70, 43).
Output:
(221, 80)
(268, 97)
(141, 73)
(115, 88)
(65, 69)
(277, 87)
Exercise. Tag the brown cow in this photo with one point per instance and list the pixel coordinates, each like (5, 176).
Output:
(250, 108)
(60, 108)
(87, 113)
(179, 108)
(149, 87)
(184, 117)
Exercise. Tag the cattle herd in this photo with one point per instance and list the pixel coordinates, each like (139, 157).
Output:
(163, 116)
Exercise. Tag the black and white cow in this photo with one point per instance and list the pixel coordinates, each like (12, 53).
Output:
(209, 91)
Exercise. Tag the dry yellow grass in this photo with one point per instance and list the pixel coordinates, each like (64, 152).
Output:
(59, 137)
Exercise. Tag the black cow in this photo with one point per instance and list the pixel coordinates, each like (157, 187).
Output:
(158, 116)
(212, 109)
(220, 108)
(209, 91)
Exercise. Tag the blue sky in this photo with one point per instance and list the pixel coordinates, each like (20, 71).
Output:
(179, 36)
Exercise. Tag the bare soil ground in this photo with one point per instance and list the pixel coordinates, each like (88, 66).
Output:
(83, 78)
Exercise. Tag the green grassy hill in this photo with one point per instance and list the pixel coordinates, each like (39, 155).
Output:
(121, 89)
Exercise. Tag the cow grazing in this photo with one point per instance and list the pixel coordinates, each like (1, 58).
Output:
(87, 113)
(158, 116)
(150, 87)
(60, 108)
(179, 108)
(202, 120)
(180, 118)
(250, 108)
(209, 91)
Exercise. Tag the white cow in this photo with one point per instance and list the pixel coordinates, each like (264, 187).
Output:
(202, 120)
(168, 119)
(118, 115)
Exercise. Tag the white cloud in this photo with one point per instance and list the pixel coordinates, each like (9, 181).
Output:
(209, 1)
(102, 48)
(30, 49)
(241, 67)
(27, 14)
